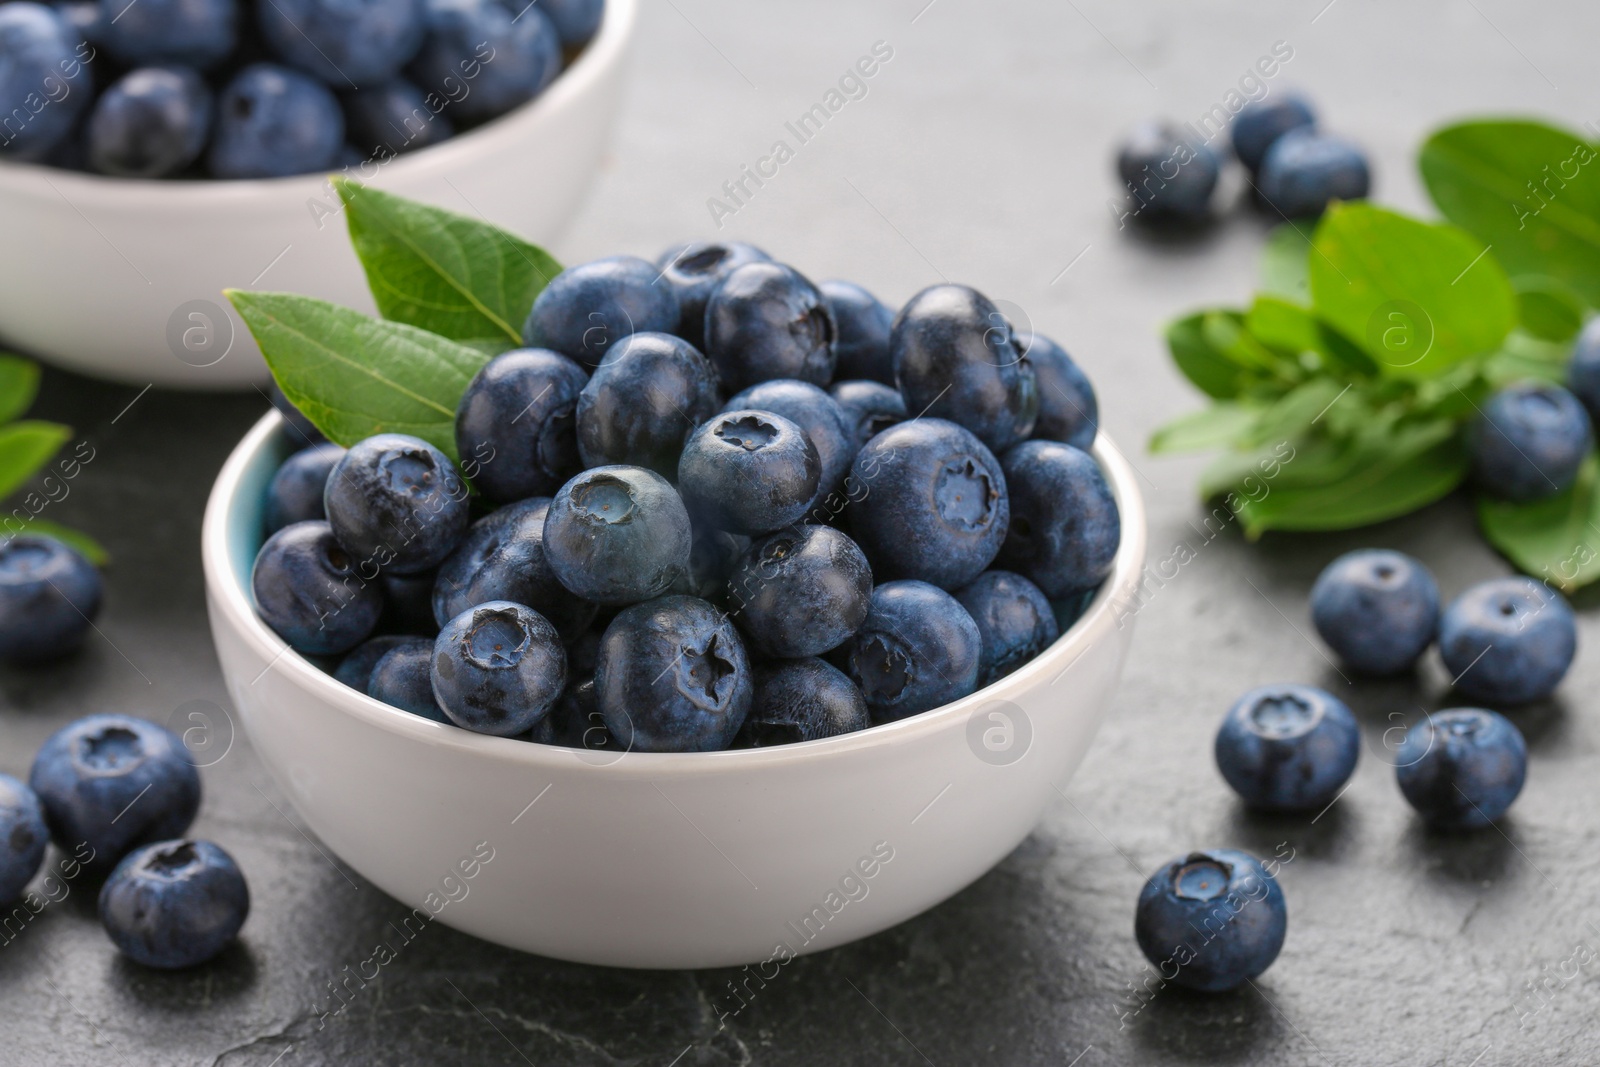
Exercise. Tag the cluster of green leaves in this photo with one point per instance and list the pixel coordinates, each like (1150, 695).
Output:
(1376, 337)
(26, 447)
(453, 292)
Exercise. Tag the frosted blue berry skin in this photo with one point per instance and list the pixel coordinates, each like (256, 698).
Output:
(272, 122)
(748, 472)
(1288, 747)
(49, 595)
(830, 429)
(312, 593)
(174, 904)
(40, 53)
(1303, 171)
(152, 123)
(397, 502)
(1508, 641)
(403, 678)
(589, 309)
(1068, 409)
(956, 357)
(114, 782)
(1583, 372)
(1211, 920)
(1168, 178)
(191, 33)
(510, 55)
(1065, 525)
(296, 490)
(766, 321)
(917, 650)
(1462, 767)
(801, 700)
(1015, 622)
(864, 322)
(516, 425)
(800, 592)
(1378, 609)
(23, 836)
(1529, 441)
(694, 270)
(355, 668)
(1260, 123)
(673, 676)
(871, 406)
(643, 402)
(344, 44)
(393, 117)
(933, 504)
(498, 668)
(617, 535)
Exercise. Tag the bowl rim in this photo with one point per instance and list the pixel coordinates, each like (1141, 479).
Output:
(229, 598)
(604, 51)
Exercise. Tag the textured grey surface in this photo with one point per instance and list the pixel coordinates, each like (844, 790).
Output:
(979, 153)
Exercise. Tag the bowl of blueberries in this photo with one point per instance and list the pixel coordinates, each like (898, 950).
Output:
(153, 153)
(754, 625)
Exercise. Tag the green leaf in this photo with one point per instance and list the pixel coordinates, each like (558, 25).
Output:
(1418, 296)
(442, 272)
(1524, 356)
(19, 384)
(1557, 538)
(1219, 424)
(1283, 324)
(1225, 332)
(1294, 413)
(355, 376)
(92, 550)
(1530, 190)
(24, 448)
(1547, 308)
(1285, 266)
(1359, 485)
(1212, 372)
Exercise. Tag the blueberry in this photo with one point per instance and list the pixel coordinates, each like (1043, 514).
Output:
(503, 558)
(864, 322)
(1529, 441)
(41, 59)
(766, 321)
(1068, 410)
(1261, 122)
(516, 427)
(1065, 527)
(1015, 622)
(295, 492)
(1379, 610)
(1168, 177)
(618, 535)
(712, 558)
(23, 836)
(403, 679)
(49, 595)
(174, 904)
(1211, 920)
(151, 123)
(1462, 767)
(749, 472)
(114, 782)
(355, 669)
(576, 722)
(1288, 747)
(929, 502)
(672, 676)
(498, 668)
(1508, 641)
(499, 57)
(872, 406)
(917, 650)
(311, 593)
(396, 502)
(299, 428)
(408, 604)
(588, 310)
(85, 17)
(272, 122)
(191, 33)
(801, 700)
(800, 592)
(1583, 373)
(575, 20)
(642, 403)
(393, 116)
(1304, 170)
(694, 271)
(956, 358)
(830, 429)
(345, 43)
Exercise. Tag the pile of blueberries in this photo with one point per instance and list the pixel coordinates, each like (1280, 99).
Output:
(1293, 748)
(266, 88)
(115, 794)
(1292, 167)
(711, 504)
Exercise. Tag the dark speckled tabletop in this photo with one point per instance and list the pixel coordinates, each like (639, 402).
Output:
(980, 152)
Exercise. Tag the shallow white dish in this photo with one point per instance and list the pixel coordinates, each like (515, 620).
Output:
(657, 859)
(107, 276)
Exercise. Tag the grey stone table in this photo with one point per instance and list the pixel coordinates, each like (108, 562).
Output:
(978, 152)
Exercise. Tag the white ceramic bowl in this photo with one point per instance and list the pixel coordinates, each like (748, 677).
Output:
(105, 275)
(661, 859)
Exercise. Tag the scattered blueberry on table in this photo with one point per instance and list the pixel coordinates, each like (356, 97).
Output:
(1260, 123)
(1211, 920)
(1529, 441)
(23, 837)
(1462, 768)
(1378, 609)
(49, 596)
(174, 903)
(1508, 641)
(1288, 747)
(1168, 176)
